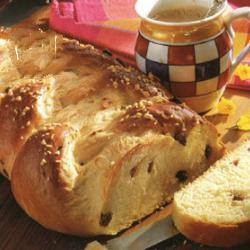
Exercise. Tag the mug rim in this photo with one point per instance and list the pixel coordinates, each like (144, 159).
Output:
(187, 23)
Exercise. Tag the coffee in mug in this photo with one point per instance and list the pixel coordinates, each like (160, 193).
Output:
(188, 45)
(181, 14)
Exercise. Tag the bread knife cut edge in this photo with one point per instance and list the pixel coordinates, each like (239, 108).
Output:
(155, 229)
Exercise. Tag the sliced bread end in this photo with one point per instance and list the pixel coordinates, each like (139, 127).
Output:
(215, 209)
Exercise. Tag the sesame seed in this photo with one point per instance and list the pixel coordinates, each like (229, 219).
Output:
(138, 115)
(43, 162)
(148, 116)
(19, 98)
(43, 142)
(26, 108)
(150, 76)
(137, 86)
(146, 93)
(115, 85)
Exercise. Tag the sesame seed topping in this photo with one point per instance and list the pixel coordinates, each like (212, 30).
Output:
(138, 115)
(137, 86)
(150, 75)
(43, 162)
(43, 142)
(149, 116)
(26, 108)
(115, 85)
(19, 98)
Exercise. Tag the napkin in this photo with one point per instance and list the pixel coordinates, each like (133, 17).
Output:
(113, 24)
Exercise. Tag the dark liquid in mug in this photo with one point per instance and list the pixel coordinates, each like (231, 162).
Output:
(181, 14)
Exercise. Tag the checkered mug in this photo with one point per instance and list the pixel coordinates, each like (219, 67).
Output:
(193, 59)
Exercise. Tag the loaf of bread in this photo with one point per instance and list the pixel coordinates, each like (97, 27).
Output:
(91, 145)
(215, 208)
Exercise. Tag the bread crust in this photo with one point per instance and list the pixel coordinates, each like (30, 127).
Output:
(39, 184)
(209, 233)
(18, 116)
(112, 116)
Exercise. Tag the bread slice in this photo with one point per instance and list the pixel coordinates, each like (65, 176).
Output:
(215, 208)
(92, 145)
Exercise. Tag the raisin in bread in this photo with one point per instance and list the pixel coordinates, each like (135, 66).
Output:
(91, 145)
(215, 208)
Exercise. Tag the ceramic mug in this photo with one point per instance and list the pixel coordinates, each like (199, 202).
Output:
(193, 59)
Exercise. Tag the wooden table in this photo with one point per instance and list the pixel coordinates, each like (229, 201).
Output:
(19, 232)
(231, 137)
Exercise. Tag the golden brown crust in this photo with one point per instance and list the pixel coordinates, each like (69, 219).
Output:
(18, 116)
(37, 174)
(212, 234)
(4, 33)
(49, 180)
(116, 75)
(163, 116)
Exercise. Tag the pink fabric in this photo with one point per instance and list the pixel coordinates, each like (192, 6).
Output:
(239, 3)
(89, 11)
(89, 21)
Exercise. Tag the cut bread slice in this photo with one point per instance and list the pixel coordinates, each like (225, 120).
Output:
(215, 208)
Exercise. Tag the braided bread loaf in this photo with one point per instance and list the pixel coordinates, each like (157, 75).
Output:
(90, 145)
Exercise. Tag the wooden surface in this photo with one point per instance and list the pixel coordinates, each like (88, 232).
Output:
(231, 137)
(19, 232)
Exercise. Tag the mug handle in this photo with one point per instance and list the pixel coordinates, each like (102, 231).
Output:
(229, 18)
